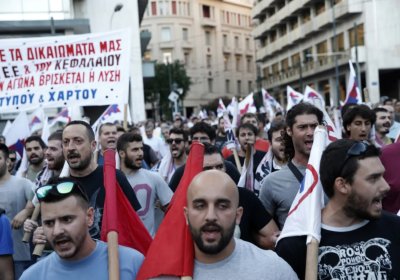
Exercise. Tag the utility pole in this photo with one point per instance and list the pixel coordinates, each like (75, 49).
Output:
(335, 46)
(357, 64)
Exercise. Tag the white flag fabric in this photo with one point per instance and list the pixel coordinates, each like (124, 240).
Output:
(293, 97)
(247, 177)
(230, 135)
(64, 116)
(17, 133)
(6, 128)
(233, 109)
(304, 216)
(36, 120)
(221, 108)
(45, 131)
(263, 169)
(353, 93)
(247, 105)
(315, 98)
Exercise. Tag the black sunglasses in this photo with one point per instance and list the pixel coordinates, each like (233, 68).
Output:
(177, 141)
(60, 189)
(13, 159)
(356, 149)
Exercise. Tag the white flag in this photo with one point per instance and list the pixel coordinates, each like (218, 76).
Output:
(293, 97)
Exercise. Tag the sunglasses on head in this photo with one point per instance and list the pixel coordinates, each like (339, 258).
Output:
(356, 149)
(177, 141)
(59, 189)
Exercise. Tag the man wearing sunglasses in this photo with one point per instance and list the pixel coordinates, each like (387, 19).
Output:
(66, 218)
(149, 187)
(358, 239)
(78, 149)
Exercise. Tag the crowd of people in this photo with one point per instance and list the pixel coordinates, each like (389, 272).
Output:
(235, 223)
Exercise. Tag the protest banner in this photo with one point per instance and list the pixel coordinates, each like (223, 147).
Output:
(60, 71)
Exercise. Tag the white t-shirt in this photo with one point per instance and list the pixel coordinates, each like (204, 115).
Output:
(148, 187)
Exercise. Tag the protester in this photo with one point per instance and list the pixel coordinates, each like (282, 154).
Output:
(13, 162)
(260, 144)
(390, 158)
(149, 187)
(153, 141)
(382, 126)
(150, 157)
(212, 213)
(176, 157)
(358, 239)
(66, 218)
(202, 132)
(15, 198)
(221, 137)
(280, 188)
(107, 140)
(78, 148)
(394, 124)
(6, 248)
(35, 148)
(358, 121)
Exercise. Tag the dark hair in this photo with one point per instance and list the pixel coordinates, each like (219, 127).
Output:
(135, 130)
(204, 128)
(120, 128)
(56, 135)
(248, 115)
(334, 157)
(362, 111)
(5, 150)
(177, 130)
(262, 118)
(303, 108)
(89, 129)
(37, 139)
(126, 138)
(276, 125)
(248, 126)
(387, 100)
(10, 151)
(79, 193)
(210, 149)
(380, 109)
(2, 137)
(105, 124)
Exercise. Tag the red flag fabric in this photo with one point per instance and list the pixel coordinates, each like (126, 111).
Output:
(118, 214)
(172, 251)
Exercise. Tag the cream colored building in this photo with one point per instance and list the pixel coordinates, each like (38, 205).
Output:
(296, 45)
(212, 38)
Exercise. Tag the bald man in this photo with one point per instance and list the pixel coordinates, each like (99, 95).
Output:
(212, 214)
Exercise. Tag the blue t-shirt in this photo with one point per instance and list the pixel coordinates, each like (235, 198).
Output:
(6, 242)
(94, 266)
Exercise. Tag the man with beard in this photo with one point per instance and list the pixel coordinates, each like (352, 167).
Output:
(358, 239)
(382, 126)
(358, 121)
(107, 138)
(78, 148)
(13, 162)
(35, 148)
(149, 187)
(177, 142)
(280, 188)
(15, 198)
(212, 214)
(66, 217)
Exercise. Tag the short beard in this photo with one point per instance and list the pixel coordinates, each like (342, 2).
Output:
(355, 207)
(129, 164)
(226, 237)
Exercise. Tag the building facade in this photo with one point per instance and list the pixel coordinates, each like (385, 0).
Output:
(213, 40)
(310, 42)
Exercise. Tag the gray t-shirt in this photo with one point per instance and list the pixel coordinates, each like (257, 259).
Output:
(149, 186)
(278, 192)
(14, 194)
(246, 262)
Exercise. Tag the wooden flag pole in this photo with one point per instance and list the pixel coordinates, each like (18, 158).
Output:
(38, 249)
(113, 257)
(126, 117)
(34, 217)
(237, 161)
(312, 259)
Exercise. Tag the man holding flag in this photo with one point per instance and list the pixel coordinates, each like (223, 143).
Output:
(358, 239)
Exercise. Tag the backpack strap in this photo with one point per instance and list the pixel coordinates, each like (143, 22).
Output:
(295, 171)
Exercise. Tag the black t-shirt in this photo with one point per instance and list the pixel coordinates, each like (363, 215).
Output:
(254, 217)
(94, 187)
(369, 251)
(176, 178)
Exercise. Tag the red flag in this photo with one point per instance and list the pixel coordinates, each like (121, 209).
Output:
(172, 251)
(118, 213)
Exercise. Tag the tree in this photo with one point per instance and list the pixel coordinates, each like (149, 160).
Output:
(158, 88)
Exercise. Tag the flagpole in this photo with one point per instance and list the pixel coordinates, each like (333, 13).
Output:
(113, 257)
(237, 161)
(312, 259)
(34, 217)
(126, 117)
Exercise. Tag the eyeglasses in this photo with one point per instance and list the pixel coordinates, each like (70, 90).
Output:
(217, 166)
(176, 140)
(59, 189)
(356, 149)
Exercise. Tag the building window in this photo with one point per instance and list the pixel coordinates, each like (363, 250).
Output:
(360, 36)
(210, 85)
(275, 69)
(293, 24)
(308, 54)
(227, 86)
(165, 34)
(249, 63)
(154, 8)
(237, 45)
(185, 34)
(208, 38)
(250, 86)
(226, 62)
(295, 59)
(209, 61)
(238, 63)
(239, 87)
(206, 11)
(225, 40)
(322, 49)
(306, 16)
(320, 7)
(147, 55)
(167, 57)
(339, 42)
(162, 5)
(248, 44)
(272, 37)
(285, 65)
(186, 58)
(173, 7)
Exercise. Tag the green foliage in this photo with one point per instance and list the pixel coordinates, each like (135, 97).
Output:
(159, 86)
